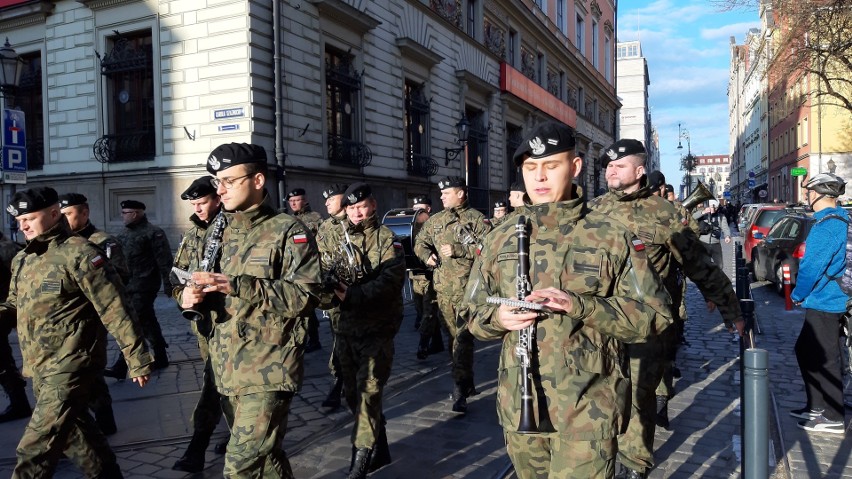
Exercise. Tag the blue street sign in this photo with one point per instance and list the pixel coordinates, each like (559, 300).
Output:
(14, 158)
(752, 183)
(13, 129)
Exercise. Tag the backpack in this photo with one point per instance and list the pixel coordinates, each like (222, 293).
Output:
(845, 279)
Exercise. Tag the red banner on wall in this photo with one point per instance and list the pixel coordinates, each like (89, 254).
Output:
(10, 3)
(514, 82)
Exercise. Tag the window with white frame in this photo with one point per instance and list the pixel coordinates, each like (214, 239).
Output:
(560, 17)
(608, 58)
(580, 34)
(595, 60)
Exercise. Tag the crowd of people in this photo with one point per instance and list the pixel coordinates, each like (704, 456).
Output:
(590, 333)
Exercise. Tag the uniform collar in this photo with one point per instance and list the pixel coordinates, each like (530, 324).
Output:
(560, 212)
(59, 232)
(251, 217)
(87, 230)
(201, 223)
(369, 223)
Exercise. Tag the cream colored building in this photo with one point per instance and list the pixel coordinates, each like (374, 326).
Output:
(125, 99)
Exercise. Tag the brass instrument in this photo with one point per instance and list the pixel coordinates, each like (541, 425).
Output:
(342, 265)
(212, 248)
(526, 337)
(698, 196)
(463, 233)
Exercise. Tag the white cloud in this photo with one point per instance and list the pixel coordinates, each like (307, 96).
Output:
(727, 31)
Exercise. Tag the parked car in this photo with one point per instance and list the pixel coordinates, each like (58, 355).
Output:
(762, 219)
(784, 243)
(746, 214)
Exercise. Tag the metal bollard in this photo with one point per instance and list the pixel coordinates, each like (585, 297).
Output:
(755, 411)
(788, 301)
(743, 283)
(739, 260)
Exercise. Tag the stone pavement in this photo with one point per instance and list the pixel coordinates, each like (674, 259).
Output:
(429, 441)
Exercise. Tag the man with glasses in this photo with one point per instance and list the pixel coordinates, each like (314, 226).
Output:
(270, 280)
(149, 258)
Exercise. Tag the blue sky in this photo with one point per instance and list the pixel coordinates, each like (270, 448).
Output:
(687, 46)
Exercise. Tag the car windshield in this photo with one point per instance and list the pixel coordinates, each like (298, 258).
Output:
(768, 217)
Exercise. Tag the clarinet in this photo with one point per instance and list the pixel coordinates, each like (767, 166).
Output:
(211, 257)
(526, 336)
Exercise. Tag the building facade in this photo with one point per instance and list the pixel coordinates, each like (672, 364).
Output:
(634, 117)
(715, 172)
(125, 99)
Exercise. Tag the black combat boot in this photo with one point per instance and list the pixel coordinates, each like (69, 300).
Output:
(19, 403)
(313, 343)
(161, 358)
(459, 399)
(118, 370)
(381, 451)
(423, 347)
(436, 344)
(662, 417)
(193, 459)
(110, 471)
(333, 398)
(360, 463)
(106, 420)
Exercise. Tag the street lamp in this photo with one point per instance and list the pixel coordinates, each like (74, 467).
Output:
(463, 129)
(10, 70)
(688, 162)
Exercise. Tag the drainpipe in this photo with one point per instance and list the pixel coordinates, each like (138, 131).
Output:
(280, 154)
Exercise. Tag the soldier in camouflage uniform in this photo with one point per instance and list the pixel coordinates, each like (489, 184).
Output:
(302, 211)
(75, 208)
(669, 247)
(206, 204)
(332, 228)
(64, 292)
(448, 243)
(10, 376)
(370, 299)
(427, 323)
(269, 279)
(149, 257)
(598, 291)
(500, 211)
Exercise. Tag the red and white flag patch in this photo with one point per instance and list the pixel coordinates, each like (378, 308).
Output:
(300, 238)
(397, 245)
(638, 245)
(98, 261)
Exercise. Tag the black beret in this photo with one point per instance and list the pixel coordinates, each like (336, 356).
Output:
(32, 200)
(669, 189)
(620, 149)
(500, 204)
(133, 205)
(421, 200)
(296, 192)
(72, 199)
(356, 192)
(656, 179)
(231, 154)
(451, 182)
(334, 190)
(199, 188)
(545, 139)
(518, 186)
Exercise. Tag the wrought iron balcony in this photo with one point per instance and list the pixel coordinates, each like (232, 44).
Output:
(347, 152)
(125, 147)
(422, 165)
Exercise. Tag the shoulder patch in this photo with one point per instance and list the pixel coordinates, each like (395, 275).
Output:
(300, 238)
(97, 261)
(638, 245)
(397, 245)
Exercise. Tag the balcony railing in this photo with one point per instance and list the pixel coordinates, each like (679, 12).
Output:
(347, 152)
(125, 147)
(422, 165)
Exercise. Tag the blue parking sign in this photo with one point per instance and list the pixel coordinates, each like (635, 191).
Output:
(14, 133)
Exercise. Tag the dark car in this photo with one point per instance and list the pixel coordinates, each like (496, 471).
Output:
(763, 218)
(783, 244)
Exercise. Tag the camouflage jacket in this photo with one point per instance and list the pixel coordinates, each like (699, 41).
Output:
(686, 218)
(111, 246)
(328, 237)
(8, 250)
(189, 255)
(462, 227)
(580, 379)
(671, 246)
(273, 266)
(373, 304)
(495, 222)
(311, 218)
(149, 256)
(63, 293)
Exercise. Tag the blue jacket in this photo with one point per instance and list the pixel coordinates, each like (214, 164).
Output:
(824, 259)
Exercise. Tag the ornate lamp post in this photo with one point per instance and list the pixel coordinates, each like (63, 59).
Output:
(463, 129)
(687, 163)
(11, 67)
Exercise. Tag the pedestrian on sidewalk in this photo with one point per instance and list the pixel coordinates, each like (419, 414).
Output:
(270, 280)
(713, 229)
(200, 248)
(817, 348)
(64, 296)
(599, 291)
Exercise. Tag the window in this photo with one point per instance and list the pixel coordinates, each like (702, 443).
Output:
(514, 137)
(608, 58)
(477, 160)
(805, 132)
(30, 100)
(416, 134)
(541, 69)
(129, 71)
(342, 110)
(561, 24)
(471, 18)
(595, 60)
(580, 30)
(581, 100)
(542, 5)
(513, 46)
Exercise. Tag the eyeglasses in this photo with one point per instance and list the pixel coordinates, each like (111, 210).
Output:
(228, 183)
(128, 212)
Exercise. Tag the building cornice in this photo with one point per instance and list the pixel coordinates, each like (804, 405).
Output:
(411, 48)
(26, 14)
(345, 14)
(101, 4)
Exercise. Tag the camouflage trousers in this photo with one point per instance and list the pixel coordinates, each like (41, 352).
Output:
(462, 340)
(143, 304)
(647, 360)
(61, 424)
(550, 456)
(365, 366)
(425, 302)
(333, 316)
(666, 384)
(10, 375)
(257, 423)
